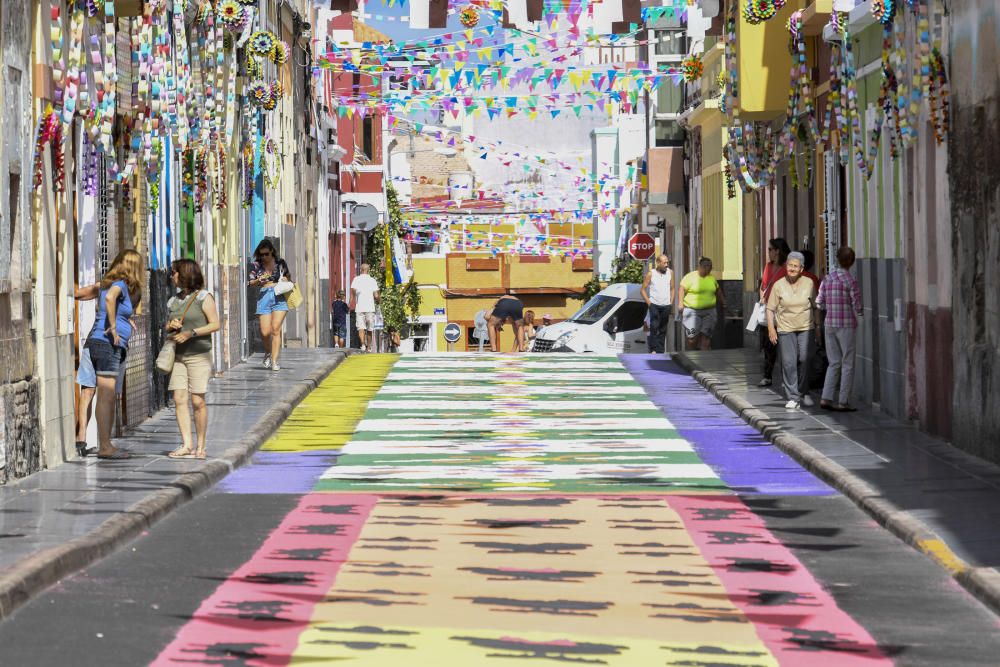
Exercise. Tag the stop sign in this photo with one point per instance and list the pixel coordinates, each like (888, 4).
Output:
(641, 246)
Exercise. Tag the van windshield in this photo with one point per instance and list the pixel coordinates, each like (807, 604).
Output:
(595, 309)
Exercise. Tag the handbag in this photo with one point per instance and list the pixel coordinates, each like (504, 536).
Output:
(757, 317)
(168, 353)
(294, 298)
(283, 287)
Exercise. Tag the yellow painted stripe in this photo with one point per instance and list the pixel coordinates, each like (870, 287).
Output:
(945, 557)
(327, 417)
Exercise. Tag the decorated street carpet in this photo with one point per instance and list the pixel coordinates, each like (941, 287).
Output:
(493, 510)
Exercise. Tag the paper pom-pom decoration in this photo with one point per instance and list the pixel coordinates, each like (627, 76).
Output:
(692, 67)
(756, 11)
(232, 15)
(469, 17)
(262, 43)
(280, 55)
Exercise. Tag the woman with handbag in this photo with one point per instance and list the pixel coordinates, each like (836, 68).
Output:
(120, 291)
(193, 318)
(271, 275)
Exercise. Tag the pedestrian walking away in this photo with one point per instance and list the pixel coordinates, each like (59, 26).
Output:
(266, 271)
(119, 296)
(340, 312)
(700, 297)
(789, 325)
(86, 378)
(364, 288)
(506, 308)
(839, 301)
(192, 319)
(657, 291)
(774, 270)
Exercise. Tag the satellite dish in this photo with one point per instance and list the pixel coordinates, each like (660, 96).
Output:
(364, 217)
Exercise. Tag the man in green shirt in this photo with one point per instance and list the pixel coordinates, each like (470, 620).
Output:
(699, 296)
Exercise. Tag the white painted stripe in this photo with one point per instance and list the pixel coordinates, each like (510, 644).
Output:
(514, 404)
(502, 375)
(505, 424)
(576, 365)
(519, 390)
(520, 471)
(516, 447)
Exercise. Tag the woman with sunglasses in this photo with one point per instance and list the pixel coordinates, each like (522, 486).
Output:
(266, 271)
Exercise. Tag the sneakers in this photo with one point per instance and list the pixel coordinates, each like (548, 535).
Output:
(792, 405)
(275, 367)
(808, 401)
(766, 382)
(267, 361)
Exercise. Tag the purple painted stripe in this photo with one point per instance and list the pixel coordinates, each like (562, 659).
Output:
(280, 472)
(738, 453)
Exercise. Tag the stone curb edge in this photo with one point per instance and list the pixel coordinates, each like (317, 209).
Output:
(981, 582)
(44, 568)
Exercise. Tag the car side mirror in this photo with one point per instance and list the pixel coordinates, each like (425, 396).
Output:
(611, 326)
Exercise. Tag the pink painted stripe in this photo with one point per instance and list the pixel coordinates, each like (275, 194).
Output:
(260, 611)
(806, 631)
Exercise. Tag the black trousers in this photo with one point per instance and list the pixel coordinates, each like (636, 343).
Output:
(659, 318)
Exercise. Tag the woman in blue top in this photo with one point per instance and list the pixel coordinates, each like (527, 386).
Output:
(121, 290)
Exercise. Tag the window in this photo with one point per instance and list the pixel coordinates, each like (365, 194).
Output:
(631, 315)
(595, 309)
(669, 97)
(669, 133)
(420, 334)
(670, 43)
(368, 137)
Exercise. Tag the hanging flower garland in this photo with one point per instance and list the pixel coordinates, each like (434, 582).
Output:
(232, 15)
(940, 113)
(220, 183)
(249, 169)
(49, 132)
(692, 68)
(469, 17)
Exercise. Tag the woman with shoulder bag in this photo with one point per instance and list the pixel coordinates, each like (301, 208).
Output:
(193, 318)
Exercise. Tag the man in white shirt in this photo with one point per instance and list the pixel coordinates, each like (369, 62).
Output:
(365, 292)
(658, 293)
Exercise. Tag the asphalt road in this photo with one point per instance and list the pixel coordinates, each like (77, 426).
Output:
(641, 554)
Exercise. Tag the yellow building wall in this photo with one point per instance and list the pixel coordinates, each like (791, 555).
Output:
(764, 64)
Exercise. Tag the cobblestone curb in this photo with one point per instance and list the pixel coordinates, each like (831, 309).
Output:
(982, 582)
(44, 568)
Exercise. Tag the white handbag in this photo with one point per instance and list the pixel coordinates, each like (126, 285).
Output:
(283, 287)
(757, 317)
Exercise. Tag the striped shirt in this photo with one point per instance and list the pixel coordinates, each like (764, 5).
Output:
(840, 297)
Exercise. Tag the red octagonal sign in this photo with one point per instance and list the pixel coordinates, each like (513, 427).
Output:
(641, 246)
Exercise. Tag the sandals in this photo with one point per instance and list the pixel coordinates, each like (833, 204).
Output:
(182, 453)
(200, 454)
(81, 448)
(117, 455)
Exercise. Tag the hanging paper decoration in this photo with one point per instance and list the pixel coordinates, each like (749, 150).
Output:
(233, 15)
(270, 162)
(884, 11)
(469, 17)
(756, 11)
(693, 68)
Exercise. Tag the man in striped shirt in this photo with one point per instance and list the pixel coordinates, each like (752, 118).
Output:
(840, 300)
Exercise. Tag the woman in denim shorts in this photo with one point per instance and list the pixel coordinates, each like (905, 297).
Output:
(120, 293)
(265, 272)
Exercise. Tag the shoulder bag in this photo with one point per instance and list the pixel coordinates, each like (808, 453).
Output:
(294, 298)
(165, 359)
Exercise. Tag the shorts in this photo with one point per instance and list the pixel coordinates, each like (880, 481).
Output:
(191, 373)
(512, 308)
(699, 321)
(340, 331)
(269, 303)
(366, 321)
(107, 360)
(86, 376)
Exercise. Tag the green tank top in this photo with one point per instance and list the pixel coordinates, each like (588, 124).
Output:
(194, 319)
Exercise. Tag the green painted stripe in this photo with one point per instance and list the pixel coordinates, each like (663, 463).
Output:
(414, 412)
(679, 485)
(490, 434)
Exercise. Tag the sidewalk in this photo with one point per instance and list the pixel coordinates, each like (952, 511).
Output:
(942, 501)
(59, 520)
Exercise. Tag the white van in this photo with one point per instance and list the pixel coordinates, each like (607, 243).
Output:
(611, 322)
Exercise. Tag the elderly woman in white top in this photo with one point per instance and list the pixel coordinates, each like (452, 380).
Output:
(789, 326)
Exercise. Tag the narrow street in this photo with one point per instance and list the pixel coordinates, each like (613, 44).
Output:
(479, 510)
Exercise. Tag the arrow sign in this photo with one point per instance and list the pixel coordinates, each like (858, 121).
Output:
(452, 332)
